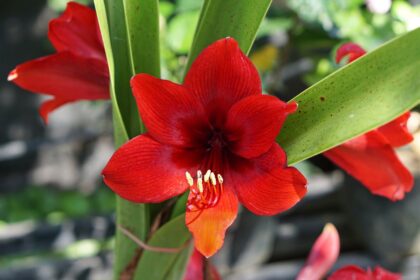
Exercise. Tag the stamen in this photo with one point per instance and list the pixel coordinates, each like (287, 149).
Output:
(206, 192)
(200, 181)
(213, 179)
(220, 179)
(207, 176)
(200, 184)
(190, 179)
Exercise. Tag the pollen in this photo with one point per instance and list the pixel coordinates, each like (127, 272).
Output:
(205, 191)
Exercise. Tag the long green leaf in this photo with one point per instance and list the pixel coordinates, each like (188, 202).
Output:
(142, 20)
(173, 234)
(363, 95)
(112, 20)
(120, 132)
(131, 38)
(223, 18)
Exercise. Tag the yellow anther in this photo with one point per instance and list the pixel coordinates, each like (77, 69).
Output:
(220, 179)
(213, 179)
(200, 184)
(207, 176)
(190, 179)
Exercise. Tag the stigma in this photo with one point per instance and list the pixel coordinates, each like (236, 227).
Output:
(205, 190)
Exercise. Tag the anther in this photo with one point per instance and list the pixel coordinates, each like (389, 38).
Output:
(190, 179)
(213, 179)
(200, 184)
(207, 176)
(220, 179)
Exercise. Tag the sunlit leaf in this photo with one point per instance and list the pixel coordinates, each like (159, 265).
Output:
(365, 94)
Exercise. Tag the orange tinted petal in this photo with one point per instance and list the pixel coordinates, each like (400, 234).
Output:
(208, 226)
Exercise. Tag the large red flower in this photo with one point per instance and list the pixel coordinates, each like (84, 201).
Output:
(214, 135)
(352, 272)
(370, 158)
(78, 71)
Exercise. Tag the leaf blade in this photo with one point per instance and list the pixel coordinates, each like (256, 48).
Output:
(359, 97)
(164, 238)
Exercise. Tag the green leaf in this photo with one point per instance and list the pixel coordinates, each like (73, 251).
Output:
(169, 264)
(112, 23)
(142, 20)
(359, 97)
(179, 267)
(130, 31)
(120, 131)
(180, 205)
(224, 18)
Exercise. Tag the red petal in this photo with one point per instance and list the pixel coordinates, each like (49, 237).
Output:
(253, 124)
(371, 160)
(323, 255)
(352, 50)
(171, 114)
(64, 76)
(145, 171)
(221, 76)
(350, 272)
(195, 268)
(264, 185)
(353, 272)
(76, 31)
(381, 274)
(396, 131)
(49, 106)
(208, 226)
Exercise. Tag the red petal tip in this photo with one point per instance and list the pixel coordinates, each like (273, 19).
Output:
(12, 75)
(323, 255)
(291, 107)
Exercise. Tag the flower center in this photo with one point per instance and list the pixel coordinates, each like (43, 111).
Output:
(216, 139)
(206, 192)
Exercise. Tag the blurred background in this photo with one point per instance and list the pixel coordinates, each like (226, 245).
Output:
(56, 216)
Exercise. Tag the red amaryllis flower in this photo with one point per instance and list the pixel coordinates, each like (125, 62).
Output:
(78, 71)
(214, 135)
(371, 158)
(323, 255)
(353, 272)
(196, 269)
